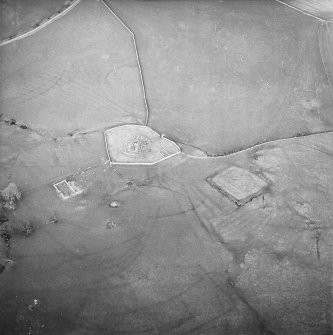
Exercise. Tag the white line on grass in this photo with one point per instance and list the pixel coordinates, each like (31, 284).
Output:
(137, 59)
(303, 12)
(278, 140)
(43, 25)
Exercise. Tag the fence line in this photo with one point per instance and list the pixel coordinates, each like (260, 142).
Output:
(137, 59)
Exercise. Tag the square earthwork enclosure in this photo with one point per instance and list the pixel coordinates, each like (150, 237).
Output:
(239, 185)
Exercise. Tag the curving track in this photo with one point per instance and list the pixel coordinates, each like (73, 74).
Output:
(40, 26)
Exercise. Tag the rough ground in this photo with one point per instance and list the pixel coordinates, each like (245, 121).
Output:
(176, 257)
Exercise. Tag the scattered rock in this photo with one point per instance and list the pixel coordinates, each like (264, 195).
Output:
(9, 196)
(303, 209)
(6, 238)
(111, 224)
(28, 321)
(79, 208)
(3, 219)
(18, 227)
(129, 184)
(5, 263)
(27, 228)
(34, 305)
(114, 204)
(3, 248)
(139, 145)
(53, 220)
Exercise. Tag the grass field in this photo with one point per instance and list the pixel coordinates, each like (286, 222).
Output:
(175, 256)
(20, 15)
